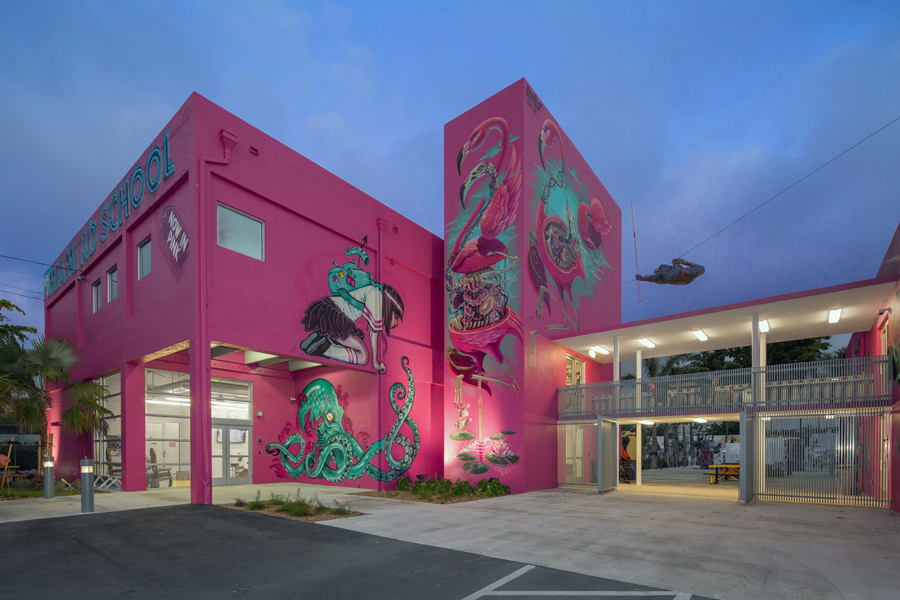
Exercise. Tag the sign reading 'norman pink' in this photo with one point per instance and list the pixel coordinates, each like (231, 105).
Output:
(176, 238)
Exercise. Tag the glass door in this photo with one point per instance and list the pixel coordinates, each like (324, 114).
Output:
(231, 454)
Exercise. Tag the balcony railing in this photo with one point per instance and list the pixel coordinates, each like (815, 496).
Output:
(846, 383)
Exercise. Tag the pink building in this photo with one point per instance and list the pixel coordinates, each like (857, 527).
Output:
(257, 319)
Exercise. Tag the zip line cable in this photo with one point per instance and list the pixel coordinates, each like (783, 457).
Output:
(792, 185)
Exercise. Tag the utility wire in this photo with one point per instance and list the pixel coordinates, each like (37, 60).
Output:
(23, 272)
(792, 185)
(15, 294)
(25, 260)
(20, 288)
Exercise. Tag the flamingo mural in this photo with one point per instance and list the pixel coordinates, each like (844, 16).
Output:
(479, 274)
(564, 249)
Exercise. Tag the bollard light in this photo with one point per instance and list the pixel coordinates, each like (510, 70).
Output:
(87, 485)
(49, 480)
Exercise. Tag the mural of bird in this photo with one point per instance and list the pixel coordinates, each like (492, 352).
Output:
(557, 247)
(486, 250)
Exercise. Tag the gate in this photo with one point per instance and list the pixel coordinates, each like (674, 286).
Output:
(608, 450)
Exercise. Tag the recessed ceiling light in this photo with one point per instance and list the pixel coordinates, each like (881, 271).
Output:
(600, 350)
(646, 422)
(699, 420)
(591, 353)
(647, 343)
(834, 315)
(700, 335)
(764, 326)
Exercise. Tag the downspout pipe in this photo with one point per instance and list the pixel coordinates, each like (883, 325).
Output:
(200, 367)
(382, 224)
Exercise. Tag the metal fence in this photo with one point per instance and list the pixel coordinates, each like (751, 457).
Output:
(823, 456)
(857, 382)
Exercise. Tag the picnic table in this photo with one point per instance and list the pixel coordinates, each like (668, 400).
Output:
(724, 472)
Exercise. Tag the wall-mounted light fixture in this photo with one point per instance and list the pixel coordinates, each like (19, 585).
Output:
(293, 399)
(647, 343)
(834, 315)
(701, 335)
(885, 310)
(259, 413)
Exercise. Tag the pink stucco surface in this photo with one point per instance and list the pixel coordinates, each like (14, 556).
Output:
(590, 296)
(221, 296)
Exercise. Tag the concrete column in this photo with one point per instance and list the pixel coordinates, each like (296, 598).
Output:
(640, 453)
(201, 422)
(754, 358)
(616, 396)
(134, 426)
(638, 371)
(762, 363)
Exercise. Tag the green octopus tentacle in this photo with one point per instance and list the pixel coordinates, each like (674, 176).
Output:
(339, 456)
(410, 450)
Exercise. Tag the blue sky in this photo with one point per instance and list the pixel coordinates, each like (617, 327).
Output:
(694, 111)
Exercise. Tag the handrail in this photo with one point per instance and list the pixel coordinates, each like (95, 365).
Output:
(842, 383)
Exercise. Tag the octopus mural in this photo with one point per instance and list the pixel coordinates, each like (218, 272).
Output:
(337, 454)
(565, 246)
(331, 321)
(480, 275)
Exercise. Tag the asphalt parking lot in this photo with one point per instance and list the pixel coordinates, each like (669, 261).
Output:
(190, 551)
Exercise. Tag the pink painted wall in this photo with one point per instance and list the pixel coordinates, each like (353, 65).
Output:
(524, 237)
(485, 337)
(310, 217)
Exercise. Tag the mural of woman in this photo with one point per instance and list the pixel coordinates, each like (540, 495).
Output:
(331, 321)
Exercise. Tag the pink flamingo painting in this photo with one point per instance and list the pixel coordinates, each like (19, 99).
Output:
(482, 318)
(558, 247)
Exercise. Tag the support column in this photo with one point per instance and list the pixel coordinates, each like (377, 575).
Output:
(754, 358)
(134, 425)
(640, 454)
(616, 389)
(746, 466)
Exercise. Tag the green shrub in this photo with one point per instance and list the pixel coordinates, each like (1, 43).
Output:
(462, 488)
(403, 483)
(298, 508)
(240, 502)
(340, 509)
(256, 504)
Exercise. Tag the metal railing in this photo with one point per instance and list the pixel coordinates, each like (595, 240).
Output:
(845, 383)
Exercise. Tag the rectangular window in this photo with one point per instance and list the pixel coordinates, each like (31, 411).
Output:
(95, 291)
(240, 233)
(144, 258)
(112, 284)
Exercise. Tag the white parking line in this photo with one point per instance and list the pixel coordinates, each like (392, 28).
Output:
(487, 590)
(490, 590)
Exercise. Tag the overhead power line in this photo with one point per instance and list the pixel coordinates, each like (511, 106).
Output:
(23, 272)
(20, 288)
(24, 295)
(793, 184)
(25, 260)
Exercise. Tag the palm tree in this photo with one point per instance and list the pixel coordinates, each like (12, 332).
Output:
(25, 375)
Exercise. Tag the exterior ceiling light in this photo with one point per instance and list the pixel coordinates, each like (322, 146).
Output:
(591, 353)
(834, 315)
(699, 420)
(647, 343)
(599, 350)
(646, 422)
(764, 326)
(701, 335)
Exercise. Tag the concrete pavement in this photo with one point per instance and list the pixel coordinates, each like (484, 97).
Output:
(668, 536)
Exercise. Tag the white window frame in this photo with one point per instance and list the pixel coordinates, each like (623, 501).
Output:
(96, 294)
(262, 241)
(112, 287)
(140, 247)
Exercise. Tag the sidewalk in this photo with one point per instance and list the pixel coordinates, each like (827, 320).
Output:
(706, 545)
